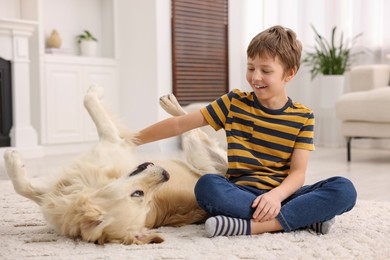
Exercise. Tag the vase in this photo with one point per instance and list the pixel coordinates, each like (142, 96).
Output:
(88, 48)
(54, 41)
(331, 88)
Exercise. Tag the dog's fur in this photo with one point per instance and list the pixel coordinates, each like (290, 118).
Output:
(110, 195)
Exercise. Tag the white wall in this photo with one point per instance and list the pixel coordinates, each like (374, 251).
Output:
(144, 54)
(237, 44)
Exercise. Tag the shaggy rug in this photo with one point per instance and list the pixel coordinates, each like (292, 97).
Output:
(360, 234)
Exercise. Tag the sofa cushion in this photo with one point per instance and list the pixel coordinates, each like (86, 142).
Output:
(365, 106)
(365, 129)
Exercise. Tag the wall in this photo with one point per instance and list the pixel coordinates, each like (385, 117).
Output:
(144, 55)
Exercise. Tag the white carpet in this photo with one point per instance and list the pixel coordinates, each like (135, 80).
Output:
(362, 233)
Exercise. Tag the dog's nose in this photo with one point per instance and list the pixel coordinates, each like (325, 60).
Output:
(165, 175)
(141, 168)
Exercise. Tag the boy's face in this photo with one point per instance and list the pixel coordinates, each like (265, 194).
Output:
(268, 80)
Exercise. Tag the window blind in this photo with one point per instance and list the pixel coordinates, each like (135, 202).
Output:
(200, 50)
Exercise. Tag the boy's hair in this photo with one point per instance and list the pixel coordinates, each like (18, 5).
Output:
(277, 41)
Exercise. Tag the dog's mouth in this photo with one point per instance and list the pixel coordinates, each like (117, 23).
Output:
(145, 165)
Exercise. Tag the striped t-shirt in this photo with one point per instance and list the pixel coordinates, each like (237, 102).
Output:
(260, 140)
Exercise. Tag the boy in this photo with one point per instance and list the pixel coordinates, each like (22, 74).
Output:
(269, 140)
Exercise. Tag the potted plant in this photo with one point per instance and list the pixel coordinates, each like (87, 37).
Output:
(330, 60)
(88, 43)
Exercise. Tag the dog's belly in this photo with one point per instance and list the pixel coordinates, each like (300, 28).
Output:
(174, 204)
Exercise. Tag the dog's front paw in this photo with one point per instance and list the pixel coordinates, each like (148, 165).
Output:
(95, 90)
(13, 162)
(170, 104)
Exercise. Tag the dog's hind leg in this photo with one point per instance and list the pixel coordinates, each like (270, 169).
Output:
(202, 152)
(107, 126)
(17, 173)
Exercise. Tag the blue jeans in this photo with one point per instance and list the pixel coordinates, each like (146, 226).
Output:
(310, 204)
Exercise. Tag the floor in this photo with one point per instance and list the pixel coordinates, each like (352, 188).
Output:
(369, 169)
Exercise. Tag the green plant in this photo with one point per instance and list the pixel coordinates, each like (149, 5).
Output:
(86, 36)
(327, 58)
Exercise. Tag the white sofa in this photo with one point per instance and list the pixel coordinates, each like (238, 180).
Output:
(365, 109)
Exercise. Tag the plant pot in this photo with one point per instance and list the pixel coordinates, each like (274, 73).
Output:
(88, 48)
(331, 88)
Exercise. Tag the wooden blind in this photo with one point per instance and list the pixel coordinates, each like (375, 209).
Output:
(200, 50)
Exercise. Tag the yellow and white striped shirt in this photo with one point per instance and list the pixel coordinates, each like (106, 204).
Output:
(260, 140)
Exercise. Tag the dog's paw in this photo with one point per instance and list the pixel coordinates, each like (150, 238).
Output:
(13, 162)
(11, 155)
(170, 104)
(94, 93)
(95, 90)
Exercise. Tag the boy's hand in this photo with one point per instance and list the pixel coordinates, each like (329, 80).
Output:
(267, 206)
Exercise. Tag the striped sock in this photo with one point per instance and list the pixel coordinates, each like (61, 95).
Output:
(322, 227)
(227, 226)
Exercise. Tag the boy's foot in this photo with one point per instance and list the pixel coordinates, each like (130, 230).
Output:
(323, 227)
(227, 226)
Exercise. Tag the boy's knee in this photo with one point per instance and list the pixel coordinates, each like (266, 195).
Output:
(346, 190)
(205, 185)
(202, 184)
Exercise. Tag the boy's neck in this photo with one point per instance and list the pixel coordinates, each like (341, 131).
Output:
(273, 104)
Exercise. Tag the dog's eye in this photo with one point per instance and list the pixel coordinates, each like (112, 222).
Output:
(137, 193)
(140, 168)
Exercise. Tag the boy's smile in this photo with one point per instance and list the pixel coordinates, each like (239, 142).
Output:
(267, 78)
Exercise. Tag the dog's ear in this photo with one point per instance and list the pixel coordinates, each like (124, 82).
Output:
(92, 222)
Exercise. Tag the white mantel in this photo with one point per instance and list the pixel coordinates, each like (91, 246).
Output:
(11, 26)
(14, 46)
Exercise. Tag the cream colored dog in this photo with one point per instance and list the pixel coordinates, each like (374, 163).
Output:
(110, 195)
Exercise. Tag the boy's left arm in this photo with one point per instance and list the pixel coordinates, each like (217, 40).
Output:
(268, 205)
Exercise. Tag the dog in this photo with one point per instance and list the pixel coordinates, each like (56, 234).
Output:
(110, 195)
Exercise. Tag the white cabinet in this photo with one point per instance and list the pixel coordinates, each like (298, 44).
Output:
(65, 120)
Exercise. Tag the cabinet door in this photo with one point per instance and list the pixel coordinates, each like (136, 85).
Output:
(106, 78)
(63, 104)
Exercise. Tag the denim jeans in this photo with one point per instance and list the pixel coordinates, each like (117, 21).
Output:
(310, 204)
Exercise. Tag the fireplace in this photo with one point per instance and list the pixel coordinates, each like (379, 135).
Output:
(5, 103)
(16, 129)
